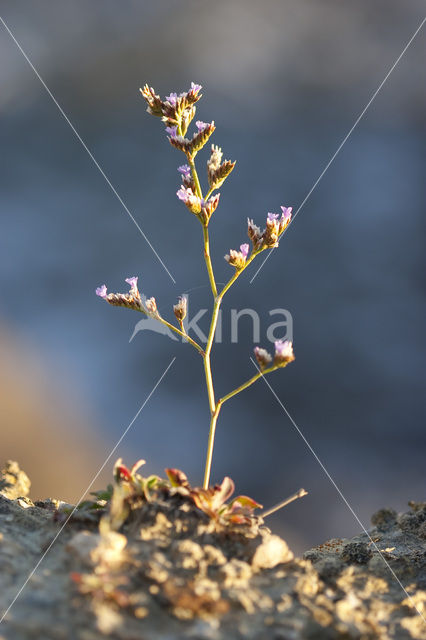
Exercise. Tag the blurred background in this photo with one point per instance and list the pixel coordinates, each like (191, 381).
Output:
(284, 82)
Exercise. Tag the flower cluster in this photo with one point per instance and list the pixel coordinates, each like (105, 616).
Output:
(174, 109)
(131, 300)
(283, 355)
(177, 111)
(275, 226)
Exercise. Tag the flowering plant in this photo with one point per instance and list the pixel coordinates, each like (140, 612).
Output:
(177, 113)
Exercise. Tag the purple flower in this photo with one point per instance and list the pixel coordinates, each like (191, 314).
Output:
(192, 201)
(195, 88)
(286, 214)
(183, 194)
(201, 125)
(172, 98)
(172, 131)
(102, 291)
(283, 348)
(185, 170)
(244, 248)
(283, 352)
(133, 282)
(273, 216)
(238, 258)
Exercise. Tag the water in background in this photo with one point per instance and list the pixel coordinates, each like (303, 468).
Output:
(284, 83)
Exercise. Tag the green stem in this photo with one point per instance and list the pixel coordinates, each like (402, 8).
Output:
(215, 408)
(246, 384)
(215, 415)
(210, 446)
(183, 334)
(195, 177)
(209, 193)
(207, 258)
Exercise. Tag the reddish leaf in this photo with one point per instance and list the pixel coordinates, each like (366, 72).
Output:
(177, 478)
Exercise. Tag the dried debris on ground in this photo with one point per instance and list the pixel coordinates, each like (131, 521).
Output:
(172, 572)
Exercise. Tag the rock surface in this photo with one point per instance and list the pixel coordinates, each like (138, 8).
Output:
(172, 573)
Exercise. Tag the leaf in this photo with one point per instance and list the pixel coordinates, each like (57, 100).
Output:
(245, 501)
(222, 493)
(121, 472)
(177, 478)
(137, 466)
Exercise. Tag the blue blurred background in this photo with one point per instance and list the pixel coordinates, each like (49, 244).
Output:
(284, 82)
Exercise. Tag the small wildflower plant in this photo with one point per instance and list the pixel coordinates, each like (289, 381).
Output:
(177, 113)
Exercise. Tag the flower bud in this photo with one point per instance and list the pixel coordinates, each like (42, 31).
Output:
(180, 309)
(200, 138)
(255, 235)
(187, 117)
(154, 102)
(263, 357)
(209, 207)
(151, 307)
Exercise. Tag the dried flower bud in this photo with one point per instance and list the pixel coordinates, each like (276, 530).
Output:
(192, 201)
(187, 117)
(200, 138)
(213, 163)
(151, 307)
(154, 102)
(218, 176)
(263, 357)
(255, 234)
(130, 300)
(238, 258)
(177, 141)
(180, 309)
(283, 353)
(187, 180)
(193, 94)
(209, 207)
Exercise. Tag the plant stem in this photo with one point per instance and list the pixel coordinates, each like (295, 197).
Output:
(183, 334)
(195, 176)
(246, 384)
(210, 446)
(208, 260)
(215, 408)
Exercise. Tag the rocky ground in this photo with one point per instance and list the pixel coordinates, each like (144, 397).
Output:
(172, 572)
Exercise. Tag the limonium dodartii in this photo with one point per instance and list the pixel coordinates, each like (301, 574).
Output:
(177, 112)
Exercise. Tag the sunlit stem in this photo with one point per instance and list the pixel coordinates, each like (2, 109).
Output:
(207, 258)
(284, 503)
(210, 445)
(181, 333)
(215, 408)
(209, 193)
(195, 177)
